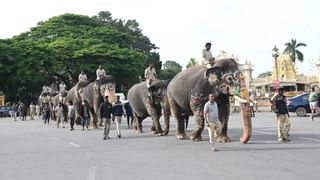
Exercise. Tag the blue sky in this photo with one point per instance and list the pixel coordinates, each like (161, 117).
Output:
(248, 29)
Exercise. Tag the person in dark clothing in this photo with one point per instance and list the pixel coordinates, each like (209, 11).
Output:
(279, 106)
(118, 111)
(105, 115)
(129, 113)
(84, 114)
(71, 114)
(46, 113)
(317, 106)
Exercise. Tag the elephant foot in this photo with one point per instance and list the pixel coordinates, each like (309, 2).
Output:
(165, 132)
(139, 131)
(156, 132)
(223, 139)
(196, 138)
(181, 136)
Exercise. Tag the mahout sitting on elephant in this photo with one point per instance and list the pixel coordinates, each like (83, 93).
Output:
(188, 91)
(144, 105)
(93, 94)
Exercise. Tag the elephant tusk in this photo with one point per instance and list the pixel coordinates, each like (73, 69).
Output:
(239, 99)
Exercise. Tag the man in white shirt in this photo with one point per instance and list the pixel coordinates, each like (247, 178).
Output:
(82, 77)
(211, 116)
(207, 59)
(150, 74)
(100, 72)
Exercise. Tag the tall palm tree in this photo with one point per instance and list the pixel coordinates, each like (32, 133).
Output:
(292, 49)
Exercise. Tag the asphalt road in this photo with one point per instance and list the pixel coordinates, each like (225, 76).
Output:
(34, 151)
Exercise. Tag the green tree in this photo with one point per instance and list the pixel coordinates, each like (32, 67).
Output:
(191, 62)
(170, 69)
(58, 49)
(265, 74)
(292, 49)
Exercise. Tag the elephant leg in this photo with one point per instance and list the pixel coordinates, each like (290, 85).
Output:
(155, 113)
(196, 133)
(166, 117)
(180, 131)
(157, 127)
(137, 123)
(153, 126)
(224, 112)
(93, 120)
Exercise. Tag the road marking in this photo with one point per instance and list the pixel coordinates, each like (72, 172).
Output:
(310, 139)
(91, 173)
(263, 132)
(74, 144)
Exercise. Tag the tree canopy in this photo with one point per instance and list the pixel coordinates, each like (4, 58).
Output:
(170, 69)
(57, 50)
(191, 62)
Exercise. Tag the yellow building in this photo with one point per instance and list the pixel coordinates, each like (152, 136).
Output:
(286, 68)
(287, 77)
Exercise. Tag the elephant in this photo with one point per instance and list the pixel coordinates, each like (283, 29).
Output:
(93, 93)
(143, 105)
(188, 91)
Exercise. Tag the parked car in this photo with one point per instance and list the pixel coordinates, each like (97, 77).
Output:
(299, 104)
(5, 111)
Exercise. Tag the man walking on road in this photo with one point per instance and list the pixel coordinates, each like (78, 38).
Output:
(211, 114)
(279, 106)
(118, 111)
(317, 107)
(105, 115)
(313, 101)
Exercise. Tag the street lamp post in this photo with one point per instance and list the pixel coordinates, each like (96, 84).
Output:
(275, 54)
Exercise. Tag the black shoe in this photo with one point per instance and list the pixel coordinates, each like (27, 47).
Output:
(119, 135)
(105, 138)
(286, 140)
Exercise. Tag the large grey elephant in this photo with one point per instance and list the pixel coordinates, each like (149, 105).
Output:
(188, 92)
(93, 93)
(143, 105)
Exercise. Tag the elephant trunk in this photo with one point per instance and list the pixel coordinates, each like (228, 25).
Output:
(245, 111)
(166, 113)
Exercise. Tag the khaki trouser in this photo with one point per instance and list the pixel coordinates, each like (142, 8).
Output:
(214, 128)
(60, 119)
(283, 126)
(118, 124)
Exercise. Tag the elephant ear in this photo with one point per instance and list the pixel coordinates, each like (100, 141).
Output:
(213, 74)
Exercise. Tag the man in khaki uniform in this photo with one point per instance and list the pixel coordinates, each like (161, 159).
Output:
(279, 106)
